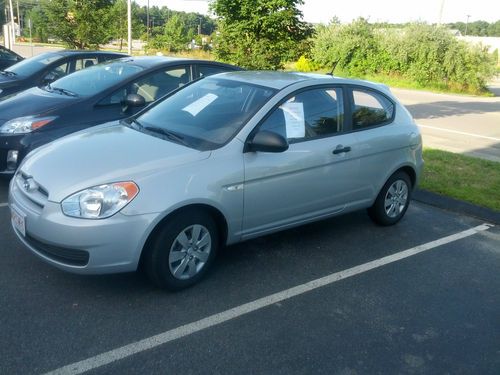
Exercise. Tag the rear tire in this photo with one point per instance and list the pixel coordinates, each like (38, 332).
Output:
(392, 201)
(183, 250)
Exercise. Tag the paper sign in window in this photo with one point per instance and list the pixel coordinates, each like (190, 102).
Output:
(294, 120)
(199, 105)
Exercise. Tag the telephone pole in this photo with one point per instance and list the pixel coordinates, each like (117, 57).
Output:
(12, 24)
(129, 20)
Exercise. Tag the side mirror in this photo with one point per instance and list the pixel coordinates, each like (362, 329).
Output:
(134, 100)
(266, 141)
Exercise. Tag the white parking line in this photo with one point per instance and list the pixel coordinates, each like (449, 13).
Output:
(213, 320)
(459, 132)
(3, 205)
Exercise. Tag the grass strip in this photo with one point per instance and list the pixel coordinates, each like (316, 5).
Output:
(470, 179)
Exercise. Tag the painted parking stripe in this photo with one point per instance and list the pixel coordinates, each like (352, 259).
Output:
(459, 132)
(213, 320)
(4, 204)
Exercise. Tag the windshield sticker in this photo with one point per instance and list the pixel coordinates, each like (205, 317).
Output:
(294, 120)
(199, 105)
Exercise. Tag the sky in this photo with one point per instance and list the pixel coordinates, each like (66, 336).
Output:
(394, 11)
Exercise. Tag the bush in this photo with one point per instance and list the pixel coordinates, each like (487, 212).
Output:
(304, 64)
(428, 55)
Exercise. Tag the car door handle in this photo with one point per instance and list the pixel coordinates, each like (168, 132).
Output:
(340, 149)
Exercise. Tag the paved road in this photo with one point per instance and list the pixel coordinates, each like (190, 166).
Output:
(457, 123)
(435, 312)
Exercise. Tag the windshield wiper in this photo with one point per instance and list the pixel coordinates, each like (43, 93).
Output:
(60, 90)
(7, 73)
(170, 135)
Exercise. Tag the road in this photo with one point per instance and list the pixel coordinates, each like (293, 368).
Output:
(421, 297)
(457, 123)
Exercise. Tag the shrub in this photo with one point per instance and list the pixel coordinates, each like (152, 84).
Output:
(428, 55)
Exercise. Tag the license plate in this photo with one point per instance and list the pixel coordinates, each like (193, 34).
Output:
(18, 220)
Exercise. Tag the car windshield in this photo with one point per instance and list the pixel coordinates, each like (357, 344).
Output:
(207, 113)
(97, 78)
(34, 64)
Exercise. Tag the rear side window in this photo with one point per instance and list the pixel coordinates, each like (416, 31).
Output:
(370, 109)
(307, 115)
(207, 70)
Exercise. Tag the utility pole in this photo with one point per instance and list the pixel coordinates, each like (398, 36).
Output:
(12, 24)
(129, 20)
(18, 16)
(147, 23)
(441, 12)
(467, 24)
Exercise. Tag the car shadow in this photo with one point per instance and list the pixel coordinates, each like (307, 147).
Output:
(451, 108)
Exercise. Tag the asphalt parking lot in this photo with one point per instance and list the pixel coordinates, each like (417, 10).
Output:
(434, 312)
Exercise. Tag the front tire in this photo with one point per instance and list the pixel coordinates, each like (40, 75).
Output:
(392, 201)
(183, 250)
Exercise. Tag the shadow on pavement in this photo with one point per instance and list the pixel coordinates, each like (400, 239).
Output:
(451, 108)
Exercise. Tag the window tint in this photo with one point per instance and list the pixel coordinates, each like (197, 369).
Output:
(151, 87)
(85, 63)
(206, 70)
(34, 64)
(370, 109)
(309, 114)
(57, 72)
(4, 54)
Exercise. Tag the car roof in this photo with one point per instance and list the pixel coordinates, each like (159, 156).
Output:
(280, 80)
(275, 80)
(66, 52)
(153, 61)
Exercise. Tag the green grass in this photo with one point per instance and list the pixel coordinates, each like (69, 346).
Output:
(462, 177)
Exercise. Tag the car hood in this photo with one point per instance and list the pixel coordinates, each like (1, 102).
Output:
(34, 101)
(103, 154)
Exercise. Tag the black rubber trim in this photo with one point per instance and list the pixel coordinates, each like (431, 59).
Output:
(70, 257)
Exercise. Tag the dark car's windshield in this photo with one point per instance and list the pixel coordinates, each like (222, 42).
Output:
(97, 78)
(207, 113)
(34, 64)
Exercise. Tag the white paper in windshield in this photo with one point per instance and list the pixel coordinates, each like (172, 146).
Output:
(294, 120)
(197, 106)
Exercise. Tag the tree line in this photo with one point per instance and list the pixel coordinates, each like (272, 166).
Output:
(266, 34)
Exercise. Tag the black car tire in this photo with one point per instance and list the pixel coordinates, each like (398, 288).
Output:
(158, 261)
(380, 212)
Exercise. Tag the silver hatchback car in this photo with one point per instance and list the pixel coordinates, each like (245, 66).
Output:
(225, 159)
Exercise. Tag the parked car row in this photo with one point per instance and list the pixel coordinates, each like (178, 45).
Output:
(180, 166)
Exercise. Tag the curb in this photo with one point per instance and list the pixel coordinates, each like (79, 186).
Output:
(455, 205)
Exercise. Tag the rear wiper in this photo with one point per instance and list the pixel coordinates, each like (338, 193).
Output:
(7, 73)
(60, 90)
(170, 135)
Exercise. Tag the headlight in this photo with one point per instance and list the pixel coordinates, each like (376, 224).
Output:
(100, 202)
(26, 124)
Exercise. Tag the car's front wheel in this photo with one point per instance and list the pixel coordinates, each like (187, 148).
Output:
(183, 250)
(392, 201)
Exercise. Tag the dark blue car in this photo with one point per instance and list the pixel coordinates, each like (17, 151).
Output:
(105, 92)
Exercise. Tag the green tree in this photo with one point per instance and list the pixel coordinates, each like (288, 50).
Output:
(39, 22)
(175, 35)
(79, 24)
(260, 34)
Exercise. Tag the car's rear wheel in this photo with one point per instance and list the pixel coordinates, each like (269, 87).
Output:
(183, 250)
(392, 201)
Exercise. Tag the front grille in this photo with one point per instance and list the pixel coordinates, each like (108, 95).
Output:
(31, 190)
(70, 257)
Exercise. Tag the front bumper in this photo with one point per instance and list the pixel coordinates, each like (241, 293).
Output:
(10, 143)
(79, 245)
